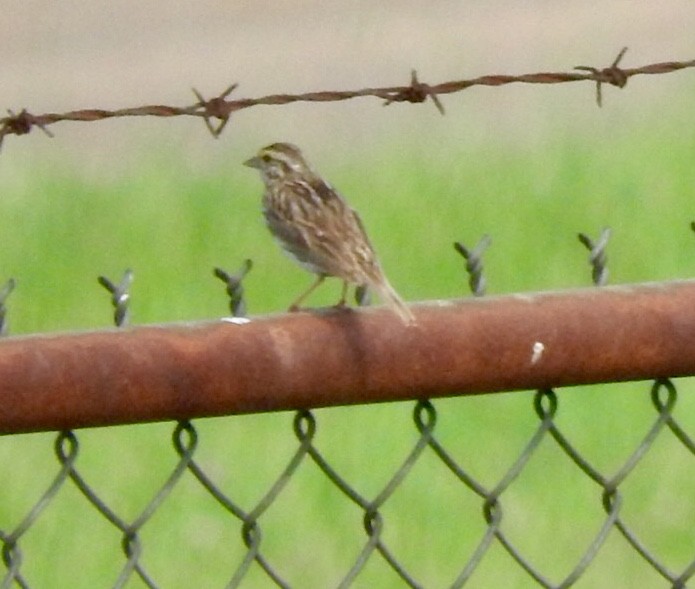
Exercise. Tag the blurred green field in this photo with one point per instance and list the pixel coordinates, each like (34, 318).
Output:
(172, 222)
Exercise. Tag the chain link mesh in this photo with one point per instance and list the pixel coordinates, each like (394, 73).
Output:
(485, 510)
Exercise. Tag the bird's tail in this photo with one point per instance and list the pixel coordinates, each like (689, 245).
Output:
(390, 297)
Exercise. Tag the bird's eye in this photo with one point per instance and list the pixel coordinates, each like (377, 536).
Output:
(265, 158)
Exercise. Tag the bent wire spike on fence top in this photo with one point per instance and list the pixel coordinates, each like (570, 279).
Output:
(537, 341)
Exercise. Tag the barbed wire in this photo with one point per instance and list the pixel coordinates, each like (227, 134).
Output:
(221, 108)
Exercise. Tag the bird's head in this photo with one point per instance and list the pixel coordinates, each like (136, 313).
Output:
(280, 161)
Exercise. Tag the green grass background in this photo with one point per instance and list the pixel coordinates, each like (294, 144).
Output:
(172, 221)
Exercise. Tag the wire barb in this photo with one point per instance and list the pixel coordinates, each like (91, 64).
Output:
(415, 93)
(215, 108)
(611, 75)
(474, 264)
(597, 256)
(235, 288)
(120, 297)
(20, 124)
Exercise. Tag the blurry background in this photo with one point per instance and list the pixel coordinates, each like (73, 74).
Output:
(530, 165)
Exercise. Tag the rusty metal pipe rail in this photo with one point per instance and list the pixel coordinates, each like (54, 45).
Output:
(322, 358)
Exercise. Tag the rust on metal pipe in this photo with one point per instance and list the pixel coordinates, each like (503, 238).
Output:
(322, 358)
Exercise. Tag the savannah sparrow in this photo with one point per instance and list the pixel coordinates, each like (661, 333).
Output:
(315, 225)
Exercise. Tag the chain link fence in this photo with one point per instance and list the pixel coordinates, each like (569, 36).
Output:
(456, 494)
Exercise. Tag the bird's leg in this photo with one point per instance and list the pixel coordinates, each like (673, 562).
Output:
(295, 306)
(343, 297)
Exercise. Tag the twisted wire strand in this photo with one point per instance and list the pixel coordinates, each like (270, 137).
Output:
(220, 108)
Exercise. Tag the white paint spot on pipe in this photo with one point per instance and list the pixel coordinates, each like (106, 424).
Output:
(537, 352)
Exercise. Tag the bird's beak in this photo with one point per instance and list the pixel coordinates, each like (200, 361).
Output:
(254, 162)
